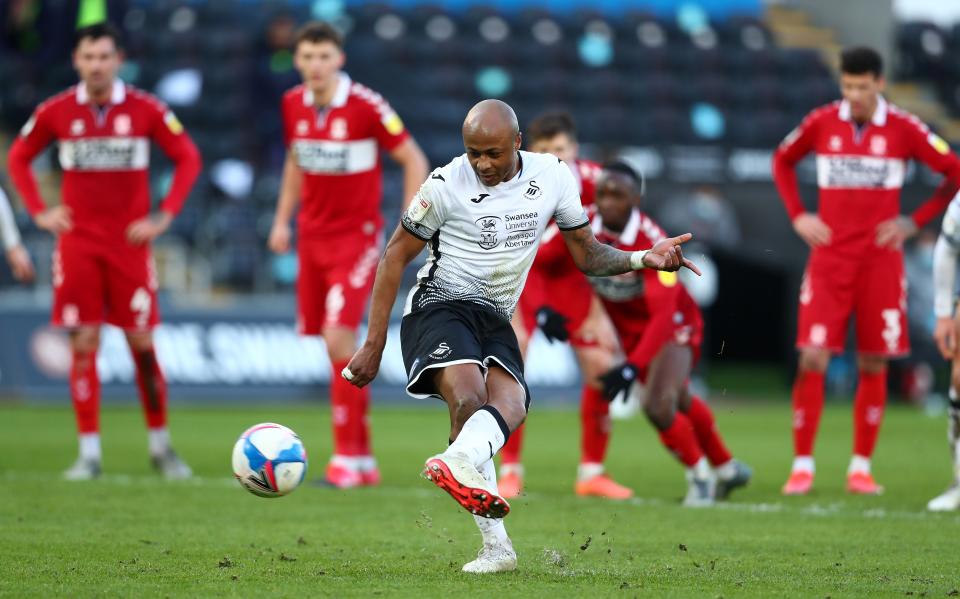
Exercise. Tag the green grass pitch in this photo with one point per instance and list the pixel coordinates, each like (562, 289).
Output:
(133, 535)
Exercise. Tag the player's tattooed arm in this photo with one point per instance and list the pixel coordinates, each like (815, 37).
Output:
(402, 248)
(599, 260)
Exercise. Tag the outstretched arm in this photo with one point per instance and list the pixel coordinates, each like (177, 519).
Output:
(402, 248)
(599, 260)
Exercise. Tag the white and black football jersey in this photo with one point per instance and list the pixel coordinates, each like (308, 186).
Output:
(482, 240)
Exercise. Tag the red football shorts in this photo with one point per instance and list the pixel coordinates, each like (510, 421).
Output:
(94, 284)
(335, 279)
(687, 332)
(873, 289)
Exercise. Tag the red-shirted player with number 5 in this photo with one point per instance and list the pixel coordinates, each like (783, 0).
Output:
(102, 267)
(334, 130)
(862, 146)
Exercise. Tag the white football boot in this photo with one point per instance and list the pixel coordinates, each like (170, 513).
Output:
(171, 466)
(493, 558)
(948, 501)
(83, 469)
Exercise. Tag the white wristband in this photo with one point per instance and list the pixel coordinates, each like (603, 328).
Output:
(636, 260)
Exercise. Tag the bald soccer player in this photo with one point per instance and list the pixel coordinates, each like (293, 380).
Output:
(483, 215)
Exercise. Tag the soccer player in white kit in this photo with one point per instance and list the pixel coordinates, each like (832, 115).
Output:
(17, 256)
(482, 215)
(946, 334)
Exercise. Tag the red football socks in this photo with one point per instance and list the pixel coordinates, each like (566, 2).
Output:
(868, 406)
(594, 426)
(807, 406)
(510, 452)
(705, 428)
(351, 432)
(680, 440)
(85, 392)
(152, 386)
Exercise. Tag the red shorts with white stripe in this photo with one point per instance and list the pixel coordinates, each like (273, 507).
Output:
(872, 289)
(94, 284)
(335, 279)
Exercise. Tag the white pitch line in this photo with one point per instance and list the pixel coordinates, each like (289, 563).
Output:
(835, 509)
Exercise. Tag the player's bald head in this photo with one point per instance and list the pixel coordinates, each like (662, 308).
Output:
(491, 137)
(491, 118)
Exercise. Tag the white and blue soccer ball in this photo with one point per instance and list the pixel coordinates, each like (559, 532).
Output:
(269, 460)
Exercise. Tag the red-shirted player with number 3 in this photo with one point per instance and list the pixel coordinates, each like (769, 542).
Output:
(862, 146)
(102, 267)
(334, 130)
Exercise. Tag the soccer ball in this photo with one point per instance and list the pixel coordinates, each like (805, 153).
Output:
(269, 460)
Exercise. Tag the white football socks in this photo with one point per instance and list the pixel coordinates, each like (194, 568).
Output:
(803, 463)
(158, 441)
(90, 447)
(858, 463)
(481, 437)
(491, 529)
(507, 469)
(700, 470)
(588, 470)
(726, 470)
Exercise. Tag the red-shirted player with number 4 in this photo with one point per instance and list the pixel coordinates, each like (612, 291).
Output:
(862, 146)
(334, 130)
(102, 267)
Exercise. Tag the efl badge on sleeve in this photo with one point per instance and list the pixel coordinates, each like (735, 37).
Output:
(173, 123)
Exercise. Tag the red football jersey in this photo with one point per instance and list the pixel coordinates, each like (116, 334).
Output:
(554, 268)
(645, 304)
(338, 149)
(105, 155)
(861, 169)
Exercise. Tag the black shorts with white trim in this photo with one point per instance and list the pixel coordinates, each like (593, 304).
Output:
(449, 333)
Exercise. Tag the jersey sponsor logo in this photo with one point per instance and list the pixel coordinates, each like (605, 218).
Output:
(938, 143)
(172, 123)
(480, 198)
(338, 128)
(77, 127)
(105, 154)
(878, 145)
(28, 126)
(859, 172)
(533, 190)
(489, 226)
(122, 125)
(320, 157)
(443, 351)
(521, 229)
(835, 143)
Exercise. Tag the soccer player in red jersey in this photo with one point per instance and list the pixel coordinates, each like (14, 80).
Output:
(103, 268)
(558, 299)
(660, 329)
(334, 129)
(862, 145)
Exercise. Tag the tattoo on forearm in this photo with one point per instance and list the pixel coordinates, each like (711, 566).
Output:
(602, 260)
